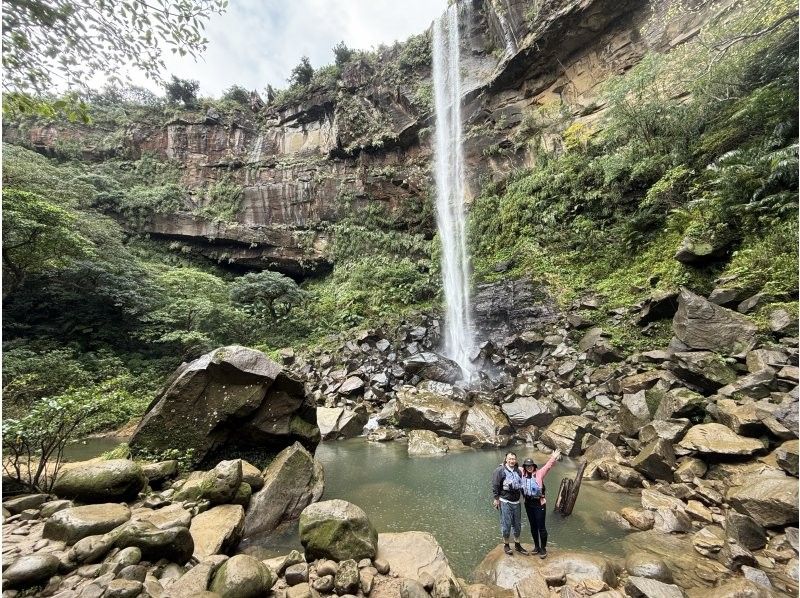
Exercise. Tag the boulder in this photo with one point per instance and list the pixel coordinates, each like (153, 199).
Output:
(70, 525)
(716, 439)
(646, 380)
(680, 403)
(338, 530)
(703, 325)
(352, 385)
(660, 305)
(30, 570)
(643, 587)
(757, 385)
(418, 410)
(251, 475)
(292, 481)
(430, 366)
(231, 397)
(346, 580)
(786, 455)
(667, 429)
(646, 564)
(641, 519)
(28, 501)
(694, 251)
(703, 369)
(743, 418)
(656, 460)
(174, 544)
(173, 515)
(566, 433)
(570, 401)
(426, 443)
(526, 411)
(744, 531)
(690, 468)
(413, 555)
(218, 486)
(738, 588)
(217, 530)
(486, 426)
(771, 501)
(158, 473)
(101, 481)
(242, 576)
(338, 422)
(633, 413)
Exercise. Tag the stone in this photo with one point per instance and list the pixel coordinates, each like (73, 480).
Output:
(620, 474)
(703, 369)
(70, 525)
(690, 468)
(338, 530)
(430, 366)
(716, 439)
(101, 481)
(570, 401)
(252, 475)
(634, 413)
(218, 486)
(526, 411)
(292, 481)
(782, 321)
(693, 251)
(703, 325)
(92, 549)
(426, 443)
(158, 473)
(786, 455)
(486, 426)
(681, 403)
(746, 419)
(346, 579)
(756, 576)
(646, 564)
(672, 521)
(128, 556)
(134, 572)
(643, 587)
(173, 515)
(566, 433)
(53, 506)
(323, 584)
(302, 590)
(771, 502)
(738, 588)
(410, 588)
(197, 579)
(242, 576)
(174, 544)
(601, 450)
(656, 460)
(233, 396)
(296, 574)
(671, 430)
(425, 411)
(755, 386)
(352, 385)
(660, 305)
(217, 530)
(326, 567)
(28, 501)
(123, 588)
(30, 570)
(699, 512)
(338, 422)
(412, 554)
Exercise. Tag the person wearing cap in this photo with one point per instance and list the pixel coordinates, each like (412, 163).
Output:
(535, 509)
(507, 491)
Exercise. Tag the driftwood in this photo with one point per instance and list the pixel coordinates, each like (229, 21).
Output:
(568, 492)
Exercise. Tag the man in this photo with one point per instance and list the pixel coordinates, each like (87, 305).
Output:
(507, 491)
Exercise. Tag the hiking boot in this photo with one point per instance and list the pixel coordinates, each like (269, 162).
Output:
(518, 547)
(507, 549)
(543, 554)
(535, 550)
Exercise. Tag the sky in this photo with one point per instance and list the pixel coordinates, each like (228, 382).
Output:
(257, 42)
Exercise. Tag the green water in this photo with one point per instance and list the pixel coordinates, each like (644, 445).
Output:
(451, 497)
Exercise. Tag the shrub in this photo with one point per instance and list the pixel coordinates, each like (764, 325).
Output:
(302, 73)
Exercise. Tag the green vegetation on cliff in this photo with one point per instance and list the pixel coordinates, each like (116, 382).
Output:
(698, 149)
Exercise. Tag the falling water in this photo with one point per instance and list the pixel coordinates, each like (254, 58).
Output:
(450, 188)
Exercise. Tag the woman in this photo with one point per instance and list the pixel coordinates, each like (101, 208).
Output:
(533, 490)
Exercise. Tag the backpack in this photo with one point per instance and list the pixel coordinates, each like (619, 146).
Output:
(531, 488)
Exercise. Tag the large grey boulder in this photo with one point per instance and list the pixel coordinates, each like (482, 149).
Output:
(217, 530)
(716, 439)
(526, 411)
(703, 369)
(645, 564)
(414, 555)
(634, 413)
(338, 422)
(700, 324)
(786, 455)
(231, 397)
(486, 426)
(101, 481)
(70, 525)
(173, 515)
(27, 501)
(656, 460)
(30, 570)
(430, 366)
(643, 587)
(174, 544)
(338, 530)
(566, 433)
(426, 443)
(770, 501)
(242, 576)
(419, 410)
(681, 403)
(292, 481)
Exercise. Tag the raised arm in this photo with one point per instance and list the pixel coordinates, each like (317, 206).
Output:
(545, 469)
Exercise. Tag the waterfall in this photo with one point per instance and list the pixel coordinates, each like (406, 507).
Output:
(450, 188)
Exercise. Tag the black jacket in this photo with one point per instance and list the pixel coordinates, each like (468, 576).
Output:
(497, 485)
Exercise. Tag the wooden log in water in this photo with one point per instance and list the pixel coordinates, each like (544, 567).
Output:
(568, 492)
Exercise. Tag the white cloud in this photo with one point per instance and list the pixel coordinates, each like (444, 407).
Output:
(257, 42)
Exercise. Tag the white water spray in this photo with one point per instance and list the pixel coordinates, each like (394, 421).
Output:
(450, 188)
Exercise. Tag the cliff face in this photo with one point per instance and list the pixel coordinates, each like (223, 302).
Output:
(364, 138)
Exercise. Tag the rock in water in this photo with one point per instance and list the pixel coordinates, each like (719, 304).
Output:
(292, 481)
(701, 324)
(242, 576)
(338, 530)
(486, 426)
(420, 410)
(231, 396)
(102, 481)
(426, 443)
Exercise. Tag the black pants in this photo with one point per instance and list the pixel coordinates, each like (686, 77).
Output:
(536, 515)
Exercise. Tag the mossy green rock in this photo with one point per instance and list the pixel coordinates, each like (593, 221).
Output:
(242, 576)
(338, 530)
(103, 481)
(219, 486)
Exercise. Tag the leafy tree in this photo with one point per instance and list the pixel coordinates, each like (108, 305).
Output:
(37, 235)
(238, 94)
(182, 90)
(302, 73)
(67, 42)
(266, 293)
(342, 54)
